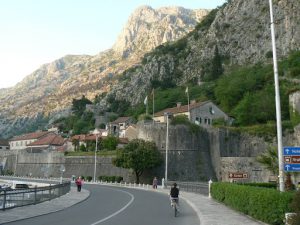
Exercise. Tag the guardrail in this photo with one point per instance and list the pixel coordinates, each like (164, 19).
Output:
(16, 198)
(196, 187)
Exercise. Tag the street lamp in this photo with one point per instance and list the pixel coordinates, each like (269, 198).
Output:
(96, 132)
(277, 101)
(166, 114)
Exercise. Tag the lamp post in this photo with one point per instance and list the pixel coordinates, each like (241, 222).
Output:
(96, 132)
(277, 101)
(166, 114)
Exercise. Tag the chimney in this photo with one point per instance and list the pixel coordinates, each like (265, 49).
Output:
(192, 101)
(178, 104)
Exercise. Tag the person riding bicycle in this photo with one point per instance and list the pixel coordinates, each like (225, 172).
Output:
(174, 192)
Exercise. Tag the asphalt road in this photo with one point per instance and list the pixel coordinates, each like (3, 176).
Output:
(118, 206)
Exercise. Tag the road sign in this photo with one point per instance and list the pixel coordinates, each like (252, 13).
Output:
(291, 151)
(292, 159)
(238, 175)
(292, 167)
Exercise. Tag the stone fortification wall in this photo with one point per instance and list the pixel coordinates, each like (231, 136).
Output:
(234, 152)
(78, 165)
(208, 153)
(188, 153)
(49, 165)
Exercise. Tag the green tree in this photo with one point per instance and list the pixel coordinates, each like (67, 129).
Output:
(138, 155)
(82, 148)
(78, 105)
(217, 68)
(75, 142)
(110, 143)
(270, 160)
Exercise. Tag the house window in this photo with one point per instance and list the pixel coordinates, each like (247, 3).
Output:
(211, 110)
(197, 121)
(205, 120)
(200, 120)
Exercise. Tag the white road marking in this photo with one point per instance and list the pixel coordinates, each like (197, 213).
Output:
(117, 212)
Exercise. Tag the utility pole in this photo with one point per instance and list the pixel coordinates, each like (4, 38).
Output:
(167, 147)
(277, 101)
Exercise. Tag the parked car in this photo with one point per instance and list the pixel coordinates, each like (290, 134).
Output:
(20, 186)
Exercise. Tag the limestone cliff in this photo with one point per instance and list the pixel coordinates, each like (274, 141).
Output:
(48, 91)
(241, 32)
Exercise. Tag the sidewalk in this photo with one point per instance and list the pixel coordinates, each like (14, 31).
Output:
(65, 201)
(211, 212)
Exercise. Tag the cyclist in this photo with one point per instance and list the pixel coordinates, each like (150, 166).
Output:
(174, 192)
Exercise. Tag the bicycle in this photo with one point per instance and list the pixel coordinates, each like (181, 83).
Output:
(174, 202)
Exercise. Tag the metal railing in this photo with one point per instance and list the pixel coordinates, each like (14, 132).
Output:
(16, 198)
(196, 187)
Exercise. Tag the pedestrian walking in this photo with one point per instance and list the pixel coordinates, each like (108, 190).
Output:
(154, 184)
(79, 183)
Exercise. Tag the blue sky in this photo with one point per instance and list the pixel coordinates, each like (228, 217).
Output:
(34, 32)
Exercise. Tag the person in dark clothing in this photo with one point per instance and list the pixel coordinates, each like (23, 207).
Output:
(174, 193)
(154, 183)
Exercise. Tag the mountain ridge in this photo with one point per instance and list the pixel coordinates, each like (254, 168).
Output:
(50, 89)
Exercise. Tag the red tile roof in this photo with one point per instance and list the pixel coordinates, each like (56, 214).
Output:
(120, 120)
(180, 109)
(85, 137)
(30, 136)
(50, 139)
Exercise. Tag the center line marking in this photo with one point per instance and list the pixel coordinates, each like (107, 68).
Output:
(117, 212)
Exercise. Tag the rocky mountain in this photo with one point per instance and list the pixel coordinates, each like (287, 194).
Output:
(239, 31)
(47, 93)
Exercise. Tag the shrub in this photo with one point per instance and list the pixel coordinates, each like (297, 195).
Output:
(113, 179)
(265, 185)
(296, 208)
(183, 119)
(89, 178)
(264, 204)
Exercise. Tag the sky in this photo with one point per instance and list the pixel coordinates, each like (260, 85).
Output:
(35, 32)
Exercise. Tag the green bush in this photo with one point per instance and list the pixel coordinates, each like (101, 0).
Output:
(113, 179)
(295, 205)
(263, 204)
(265, 185)
(89, 178)
(183, 119)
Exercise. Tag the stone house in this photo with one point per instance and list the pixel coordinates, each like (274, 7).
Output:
(83, 139)
(131, 132)
(118, 127)
(200, 113)
(21, 142)
(50, 142)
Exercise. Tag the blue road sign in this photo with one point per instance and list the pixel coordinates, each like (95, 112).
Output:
(292, 167)
(291, 151)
